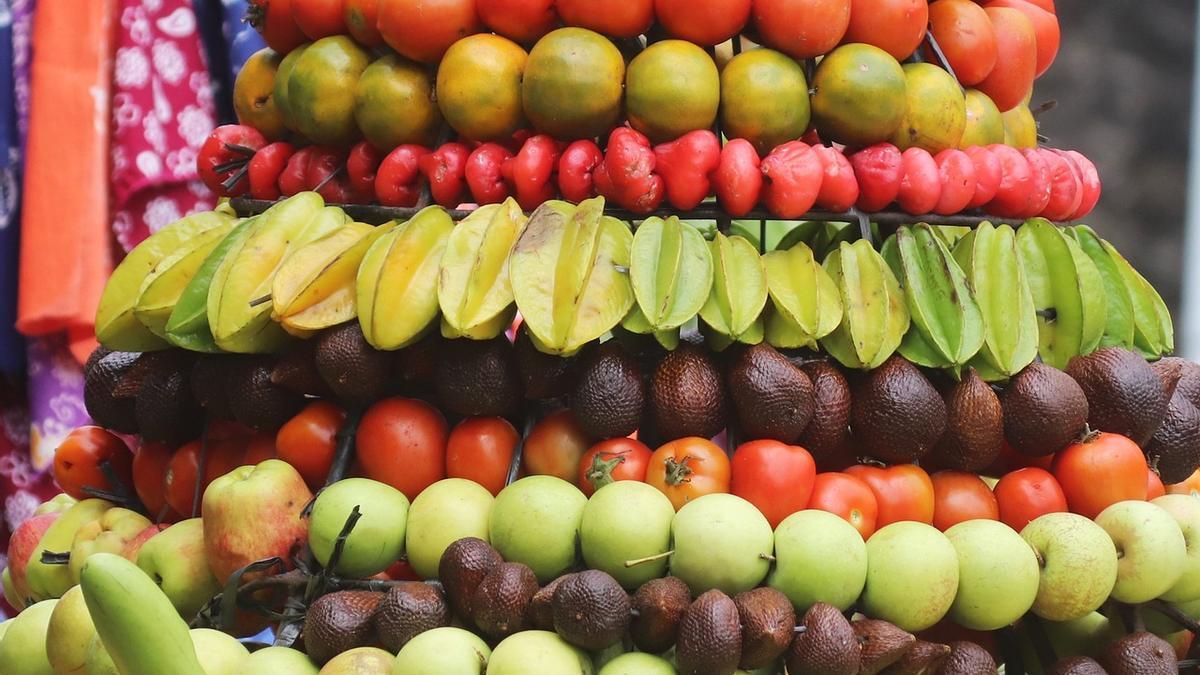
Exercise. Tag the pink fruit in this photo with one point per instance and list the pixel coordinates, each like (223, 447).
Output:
(1066, 188)
(987, 175)
(921, 186)
(956, 172)
(839, 188)
(1039, 193)
(1016, 183)
(879, 169)
(1090, 179)
(21, 545)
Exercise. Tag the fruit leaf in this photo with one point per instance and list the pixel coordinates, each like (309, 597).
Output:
(671, 271)
(739, 290)
(874, 314)
(474, 291)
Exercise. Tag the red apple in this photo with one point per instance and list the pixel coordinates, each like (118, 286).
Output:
(131, 550)
(22, 544)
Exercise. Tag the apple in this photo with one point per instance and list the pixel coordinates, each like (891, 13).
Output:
(627, 520)
(912, 575)
(99, 661)
(536, 521)
(819, 557)
(1151, 550)
(1185, 509)
(639, 663)
(251, 513)
(377, 539)
(443, 650)
(360, 661)
(4, 627)
(721, 541)
(277, 660)
(1078, 565)
(449, 510)
(23, 649)
(131, 550)
(175, 560)
(56, 504)
(538, 651)
(219, 653)
(109, 533)
(69, 633)
(51, 581)
(21, 545)
(11, 596)
(997, 575)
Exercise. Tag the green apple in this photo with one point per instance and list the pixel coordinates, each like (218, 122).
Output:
(912, 575)
(23, 649)
(109, 533)
(997, 575)
(1151, 550)
(377, 539)
(21, 546)
(51, 581)
(448, 510)
(538, 651)
(98, 660)
(4, 627)
(360, 661)
(69, 633)
(11, 595)
(1078, 565)
(1185, 509)
(443, 650)
(818, 558)
(627, 520)
(1084, 636)
(536, 521)
(278, 660)
(639, 663)
(174, 559)
(56, 504)
(721, 541)
(219, 653)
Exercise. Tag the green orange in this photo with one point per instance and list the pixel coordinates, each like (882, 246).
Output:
(321, 90)
(1020, 128)
(984, 124)
(764, 98)
(572, 84)
(672, 88)
(479, 86)
(394, 103)
(859, 95)
(283, 76)
(254, 94)
(936, 112)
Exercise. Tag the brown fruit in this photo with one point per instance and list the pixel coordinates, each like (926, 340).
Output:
(827, 646)
(828, 433)
(591, 610)
(338, 622)
(463, 565)
(882, 644)
(1078, 665)
(541, 607)
(256, 401)
(478, 377)
(968, 658)
(1045, 410)
(353, 369)
(687, 395)
(610, 395)
(768, 625)
(896, 414)
(501, 600)
(974, 425)
(165, 409)
(660, 604)
(1174, 449)
(543, 375)
(1139, 654)
(296, 371)
(102, 375)
(771, 397)
(922, 658)
(1125, 396)
(408, 610)
(1187, 374)
(710, 636)
(414, 365)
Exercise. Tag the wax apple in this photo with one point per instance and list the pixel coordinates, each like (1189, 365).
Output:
(21, 545)
(51, 581)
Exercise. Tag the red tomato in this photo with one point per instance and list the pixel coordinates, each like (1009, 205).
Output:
(1100, 471)
(77, 461)
(402, 442)
(308, 441)
(149, 476)
(1039, 194)
(846, 496)
(614, 18)
(222, 457)
(1066, 186)
(987, 175)
(1011, 460)
(921, 187)
(1154, 486)
(703, 22)
(895, 26)
(522, 21)
(362, 20)
(422, 30)
(180, 480)
(688, 468)
(1045, 29)
(956, 172)
(960, 496)
(1016, 58)
(964, 33)
(774, 476)
(481, 449)
(259, 449)
(903, 492)
(1191, 486)
(801, 28)
(554, 447)
(1027, 493)
(613, 460)
(273, 20)
(320, 18)
(1016, 182)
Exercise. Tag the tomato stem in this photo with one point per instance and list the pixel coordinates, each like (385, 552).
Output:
(649, 558)
(678, 472)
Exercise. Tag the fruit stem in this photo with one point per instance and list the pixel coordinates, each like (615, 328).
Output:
(649, 558)
(678, 472)
(767, 556)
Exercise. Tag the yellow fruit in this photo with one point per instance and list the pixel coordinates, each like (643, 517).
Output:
(936, 112)
(573, 84)
(394, 104)
(764, 98)
(672, 88)
(984, 124)
(1020, 128)
(254, 94)
(479, 87)
(321, 87)
(859, 95)
(282, 76)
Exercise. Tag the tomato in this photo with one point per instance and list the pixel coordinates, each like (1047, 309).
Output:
(554, 447)
(1016, 58)
(846, 496)
(362, 21)
(320, 18)
(774, 476)
(703, 22)
(402, 442)
(308, 441)
(1191, 486)
(481, 449)
(614, 18)
(964, 33)
(801, 28)
(401, 570)
(903, 492)
(521, 21)
(422, 30)
(895, 26)
(1099, 471)
(149, 474)
(273, 20)
(613, 460)
(180, 480)
(259, 448)
(222, 456)
(1026, 494)
(77, 461)
(687, 468)
(1045, 29)
(959, 496)
(1154, 486)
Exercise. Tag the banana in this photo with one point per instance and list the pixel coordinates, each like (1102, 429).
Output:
(875, 317)
(396, 284)
(1154, 334)
(474, 291)
(805, 303)
(733, 310)
(162, 288)
(51, 581)
(117, 327)
(188, 325)
(1118, 321)
(570, 274)
(671, 270)
(138, 625)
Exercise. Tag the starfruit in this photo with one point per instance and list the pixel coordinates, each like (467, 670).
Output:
(805, 303)
(874, 316)
(1118, 317)
(1067, 291)
(1153, 332)
(162, 288)
(117, 327)
(570, 274)
(733, 310)
(188, 325)
(671, 270)
(947, 326)
(636, 322)
(397, 281)
(473, 290)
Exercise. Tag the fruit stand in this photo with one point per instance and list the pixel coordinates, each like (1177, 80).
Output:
(628, 337)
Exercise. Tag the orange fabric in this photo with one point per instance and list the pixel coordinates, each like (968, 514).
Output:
(66, 251)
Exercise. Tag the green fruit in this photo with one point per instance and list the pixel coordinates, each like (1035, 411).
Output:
(474, 290)
(536, 521)
(377, 539)
(671, 271)
(764, 98)
(638, 663)
(739, 291)
(627, 520)
(936, 113)
(721, 541)
(984, 126)
(278, 660)
(443, 513)
(538, 651)
(818, 558)
(671, 87)
(875, 315)
(572, 85)
(320, 90)
(23, 648)
(51, 581)
(997, 575)
(912, 575)
(69, 633)
(220, 653)
(441, 651)
(389, 84)
(859, 95)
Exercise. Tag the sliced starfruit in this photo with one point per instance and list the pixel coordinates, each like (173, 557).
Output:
(1118, 317)
(473, 290)
(739, 291)
(805, 302)
(988, 256)
(671, 270)
(1154, 333)
(874, 315)
(162, 288)
(117, 327)
(570, 274)
(397, 281)
(188, 325)
(1067, 291)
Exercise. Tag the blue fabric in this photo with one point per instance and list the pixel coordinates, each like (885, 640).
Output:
(228, 42)
(12, 346)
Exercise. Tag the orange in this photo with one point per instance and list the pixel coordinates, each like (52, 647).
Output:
(859, 96)
(764, 99)
(320, 89)
(394, 104)
(572, 85)
(479, 87)
(671, 88)
(254, 94)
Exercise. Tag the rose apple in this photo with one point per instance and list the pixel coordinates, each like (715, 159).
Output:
(175, 559)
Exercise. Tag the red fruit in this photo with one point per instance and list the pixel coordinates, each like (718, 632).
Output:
(324, 178)
(320, 18)
(362, 21)
(78, 459)
(149, 470)
(903, 492)
(959, 496)
(686, 165)
(895, 26)
(484, 174)
(1154, 486)
(1016, 182)
(522, 21)
(1039, 193)
(879, 169)
(921, 186)
(531, 171)
(1100, 471)
(361, 167)
(576, 167)
(227, 144)
(792, 176)
(956, 171)
(964, 33)
(1016, 58)
(987, 175)
(847, 496)
(422, 30)
(1045, 29)
(614, 18)
(1066, 188)
(801, 28)
(1047, 5)
(294, 178)
(402, 442)
(273, 20)
(266, 167)
(1026, 494)
(1090, 180)
(612, 460)
(775, 477)
(703, 22)
(738, 180)
(445, 169)
(480, 449)
(839, 187)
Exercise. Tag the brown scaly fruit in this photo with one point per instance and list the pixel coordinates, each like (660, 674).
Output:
(610, 394)
(771, 397)
(1076, 665)
(1045, 410)
(1139, 654)
(408, 610)
(768, 626)
(895, 412)
(478, 377)
(968, 658)
(463, 565)
(1125, 396)
(543, 375)
(501, 600)
(1174, 449)
(922, 658)
(355, 371)
(212, 380)
(828, 433)
(165, 409)
(340, 621)
(974, 433)
(1188, 372)
(591, 610)
(882, 644)
(102, 375)
(687, 395)
(541, 607)
(256, 401)
(827, 646)
(414, 366)
(296, 371)
(659, 605)
(710, 636)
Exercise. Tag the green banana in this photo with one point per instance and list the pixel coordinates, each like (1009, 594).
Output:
(671, 271)
(51, 581)
(188, 325)
(805, 302)
(1118, 322)
(1154, 334)
(733, 310)
(474, 291)
(138, 625)
(875, 317)
(162, 288)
